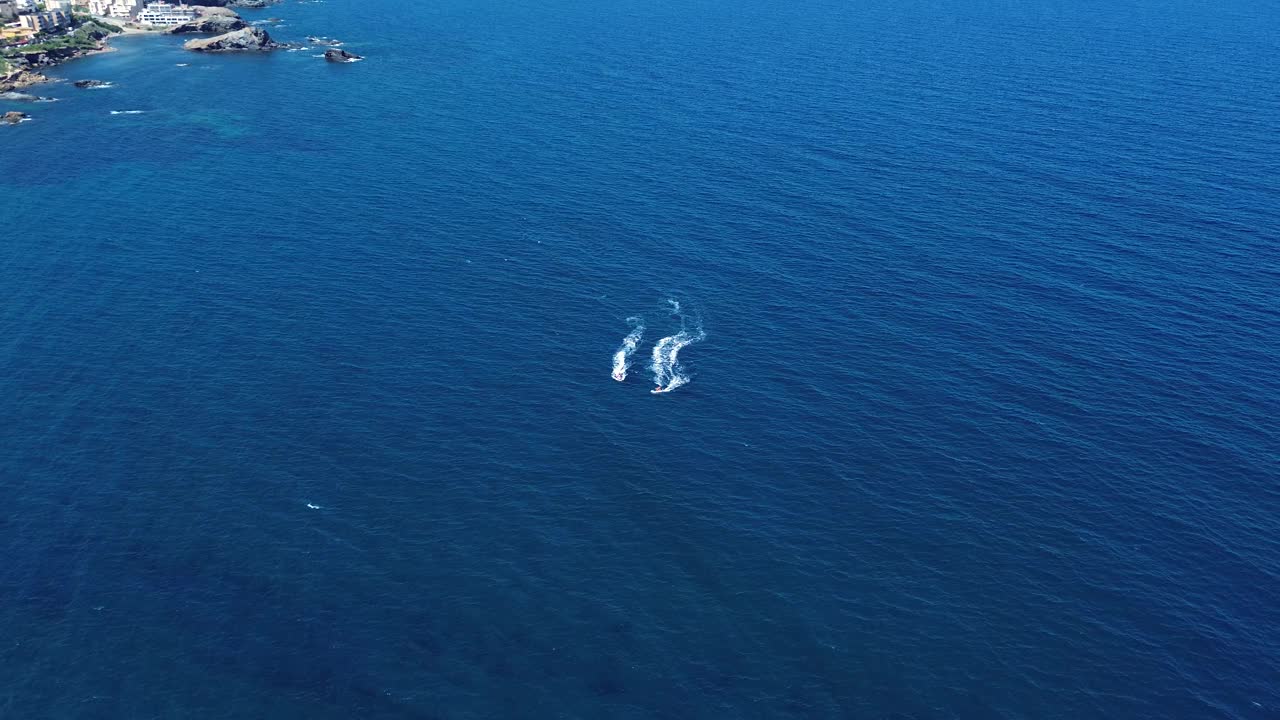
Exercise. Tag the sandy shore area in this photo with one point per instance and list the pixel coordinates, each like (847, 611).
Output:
(128, 29)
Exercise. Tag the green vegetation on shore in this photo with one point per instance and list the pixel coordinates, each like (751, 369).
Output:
(83, 20)
(84, 37)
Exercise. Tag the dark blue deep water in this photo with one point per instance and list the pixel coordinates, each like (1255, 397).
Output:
(305, 406)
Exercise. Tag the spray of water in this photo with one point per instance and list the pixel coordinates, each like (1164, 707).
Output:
(622, 358)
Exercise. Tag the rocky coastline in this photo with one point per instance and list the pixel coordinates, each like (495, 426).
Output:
(20, 79)
(246, 39)
(249, 4)
(215, 21)
(23, 69)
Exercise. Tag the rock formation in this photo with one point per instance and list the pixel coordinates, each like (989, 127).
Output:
(91, 83)
(233, 3)
(214, 24)
(13, 117)
(248, 39)
(20, 79)
(340, 55)
(13, 96)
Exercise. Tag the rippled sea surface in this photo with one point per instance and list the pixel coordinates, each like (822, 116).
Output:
(305, 396)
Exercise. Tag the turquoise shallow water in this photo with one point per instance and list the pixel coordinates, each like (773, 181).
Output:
(305, 407)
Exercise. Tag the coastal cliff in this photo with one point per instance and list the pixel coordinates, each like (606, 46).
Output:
(20, 66)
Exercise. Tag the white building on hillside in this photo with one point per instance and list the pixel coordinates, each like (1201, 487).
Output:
(123, 9)
(45, 21)
(165, 14)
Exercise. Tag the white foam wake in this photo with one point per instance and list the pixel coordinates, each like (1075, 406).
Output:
(622, 358)
(667, 372)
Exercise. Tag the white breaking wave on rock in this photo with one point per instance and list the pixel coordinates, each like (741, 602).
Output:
(667, 371)
(621, 358)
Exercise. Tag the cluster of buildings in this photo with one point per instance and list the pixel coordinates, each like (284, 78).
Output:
(22, 19)
(114, 8)
(165, 14)
(152, 13)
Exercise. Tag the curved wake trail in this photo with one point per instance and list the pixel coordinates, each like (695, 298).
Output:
(667, 372)
(622, 358)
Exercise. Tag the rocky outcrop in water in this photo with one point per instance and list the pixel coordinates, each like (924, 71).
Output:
(45, 57)
(91, 83)
(20, 78)
(217, 24)
(320, 40)
(340, 55)
(233, 3)
(249, 39)
(13, 117)
(12, 96)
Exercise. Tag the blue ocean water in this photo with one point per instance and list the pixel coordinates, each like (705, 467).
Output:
(305, 407)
